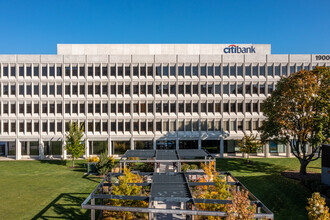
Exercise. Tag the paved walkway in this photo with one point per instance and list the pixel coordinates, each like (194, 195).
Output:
(165, 168)
(168, 205)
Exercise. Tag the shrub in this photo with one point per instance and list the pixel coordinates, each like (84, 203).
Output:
(193, 167)
(94, 159)
(317, 210)
(185, 167)
(105, 164)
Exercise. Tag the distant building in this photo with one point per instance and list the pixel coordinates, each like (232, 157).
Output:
(140, 96)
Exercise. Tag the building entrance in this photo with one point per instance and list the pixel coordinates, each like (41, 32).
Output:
(165, 145)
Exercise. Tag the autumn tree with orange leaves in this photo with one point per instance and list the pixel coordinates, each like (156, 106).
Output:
(297, 113)
(218, 191)
(241, 208)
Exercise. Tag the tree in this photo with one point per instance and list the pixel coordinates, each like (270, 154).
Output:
(241, 207)
(218, 191)
(249, 144)
(317, 210)
(125, 188)
(297, 113)
(74, 143)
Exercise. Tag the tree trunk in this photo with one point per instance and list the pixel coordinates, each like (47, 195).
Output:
(248, 157)
(303, 166)
(72, 162)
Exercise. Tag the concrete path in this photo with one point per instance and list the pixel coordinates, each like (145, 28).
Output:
(165, 168)
(168, 205)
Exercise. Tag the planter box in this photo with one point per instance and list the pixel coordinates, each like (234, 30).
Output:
(91, 168)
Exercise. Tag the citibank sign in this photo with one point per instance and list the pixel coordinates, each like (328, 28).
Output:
(237, 49)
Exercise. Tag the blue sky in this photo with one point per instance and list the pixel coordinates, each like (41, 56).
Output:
(291, 26)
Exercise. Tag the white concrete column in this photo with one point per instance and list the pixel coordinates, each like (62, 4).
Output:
(266, 150)
(18, 149)
(154, 143)
(28, 148)
(309, 149)
(177, 144)
(222, 147)
(132, 143)
(288, 150)
(64, 152)
(41, 149)
(109, 147)
(87, 148)
(199, 143)
(6, 149)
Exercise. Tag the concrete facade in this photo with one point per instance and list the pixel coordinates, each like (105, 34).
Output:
(161, 95)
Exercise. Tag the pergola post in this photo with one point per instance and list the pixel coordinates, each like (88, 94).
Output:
(92, 210)
(199, 143)
(192, 208)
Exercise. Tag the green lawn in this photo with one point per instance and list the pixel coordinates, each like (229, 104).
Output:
(286, 198)
(43, 190)
(49, 189)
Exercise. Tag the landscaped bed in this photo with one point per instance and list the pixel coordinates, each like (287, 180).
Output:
(49, 189)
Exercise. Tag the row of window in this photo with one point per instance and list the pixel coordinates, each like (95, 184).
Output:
(121, 107)
(187, 88)
(162, 70)
(186, 125)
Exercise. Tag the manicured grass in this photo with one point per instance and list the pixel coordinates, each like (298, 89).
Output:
(43, 190)
(49, 189)
(286, 198)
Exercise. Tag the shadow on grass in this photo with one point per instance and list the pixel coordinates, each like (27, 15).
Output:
(286, 198)
(79, 167)
(240, 165)
(95, 179)
(54, 162)
(65, 206)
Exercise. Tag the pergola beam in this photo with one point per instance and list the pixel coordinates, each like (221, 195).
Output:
(167, 211)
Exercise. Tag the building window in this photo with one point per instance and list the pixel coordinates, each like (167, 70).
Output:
(59, 71)
(195, 70)
(233, 125)
(210, 70)
(188, 70)
(203, 70)
(181, 70)
(232, 70)
(150, 71)
(248, 107)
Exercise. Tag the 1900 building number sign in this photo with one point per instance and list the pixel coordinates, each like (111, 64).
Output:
(322, 57)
